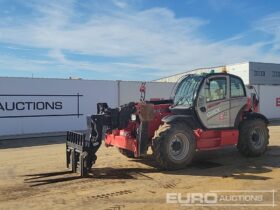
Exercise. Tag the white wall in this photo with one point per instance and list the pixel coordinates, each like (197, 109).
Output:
(270, 101)
(25, 120)
(129, 91)
(270, 76)
(241, 70)
(92, 91)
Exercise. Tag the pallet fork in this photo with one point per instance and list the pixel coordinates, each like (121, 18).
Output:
(81, 149)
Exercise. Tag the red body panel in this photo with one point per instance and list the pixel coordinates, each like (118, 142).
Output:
(205, 139)
(160, 112)
(124, 142)
(124, 138)
(255, 105)
(213, 139)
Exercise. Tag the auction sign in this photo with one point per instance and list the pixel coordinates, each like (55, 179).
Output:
(30, 105)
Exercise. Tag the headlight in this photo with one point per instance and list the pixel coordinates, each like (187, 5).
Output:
(133, 117)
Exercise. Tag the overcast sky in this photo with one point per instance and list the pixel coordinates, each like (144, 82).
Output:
(136, 39)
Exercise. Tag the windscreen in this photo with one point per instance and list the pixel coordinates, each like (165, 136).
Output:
(186, 90)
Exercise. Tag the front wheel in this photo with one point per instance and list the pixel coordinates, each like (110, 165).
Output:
(173, 146)
(253, 137)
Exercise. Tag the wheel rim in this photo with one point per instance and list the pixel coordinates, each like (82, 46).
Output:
(179, 147)
(257, 137)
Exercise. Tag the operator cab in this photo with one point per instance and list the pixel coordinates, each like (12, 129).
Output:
(215, 100)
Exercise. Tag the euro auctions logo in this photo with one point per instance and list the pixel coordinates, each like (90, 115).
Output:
(30, 105)
(192, 198)
(39, 105)
(224, 198)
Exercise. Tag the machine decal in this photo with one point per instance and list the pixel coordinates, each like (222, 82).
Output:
(213, 112)
(212, 104)
(223, 115)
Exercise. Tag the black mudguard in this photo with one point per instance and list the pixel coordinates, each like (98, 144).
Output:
(254, 115)
(188, 119)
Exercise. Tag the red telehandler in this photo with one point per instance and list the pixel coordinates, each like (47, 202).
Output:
(208, 111)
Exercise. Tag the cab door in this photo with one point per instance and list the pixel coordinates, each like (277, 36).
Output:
(213, 102)
(238, 99)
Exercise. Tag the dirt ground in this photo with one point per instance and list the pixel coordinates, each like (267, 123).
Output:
(33, 176)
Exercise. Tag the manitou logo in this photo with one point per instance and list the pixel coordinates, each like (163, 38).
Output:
(277, 101)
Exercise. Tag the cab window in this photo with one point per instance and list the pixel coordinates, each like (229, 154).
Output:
(236, 87)
(217, 89)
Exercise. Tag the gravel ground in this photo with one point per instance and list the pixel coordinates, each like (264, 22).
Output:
(33, 176)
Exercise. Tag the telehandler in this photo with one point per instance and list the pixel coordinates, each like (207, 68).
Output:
(208, 111)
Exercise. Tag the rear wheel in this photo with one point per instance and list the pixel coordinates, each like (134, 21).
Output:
(173, 146)
(253, 137)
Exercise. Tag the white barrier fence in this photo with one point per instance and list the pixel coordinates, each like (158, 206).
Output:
(30, 106)
(270, 100)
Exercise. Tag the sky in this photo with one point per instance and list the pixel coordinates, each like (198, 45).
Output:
(135, 39)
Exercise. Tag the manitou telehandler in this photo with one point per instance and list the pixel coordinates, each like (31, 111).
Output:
(208, 111)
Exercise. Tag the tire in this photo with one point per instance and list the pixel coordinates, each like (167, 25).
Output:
(126, 153)
(253, 138)
(173, 153)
